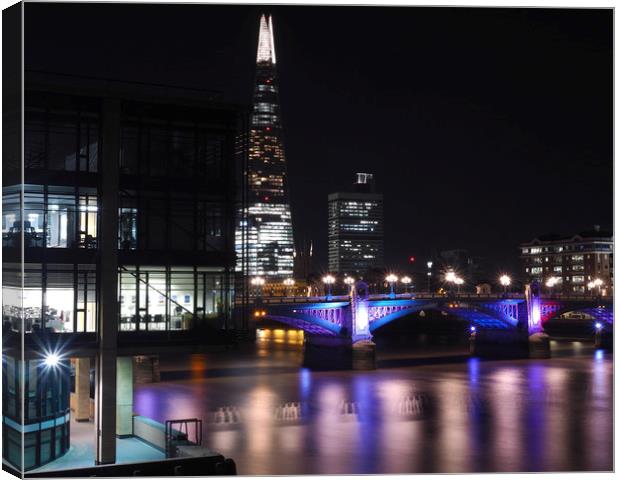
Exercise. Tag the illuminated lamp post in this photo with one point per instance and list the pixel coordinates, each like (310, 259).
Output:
(406, 281)
(458, 281)
(288, 283)
(391, 279)
(551, 283)
(349, 281)
(504, 280)
(329, 280)
(429, 265)
(258, 283)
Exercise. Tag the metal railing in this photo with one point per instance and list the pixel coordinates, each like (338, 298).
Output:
(427, 296)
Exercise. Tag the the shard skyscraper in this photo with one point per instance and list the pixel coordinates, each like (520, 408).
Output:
(269, 232)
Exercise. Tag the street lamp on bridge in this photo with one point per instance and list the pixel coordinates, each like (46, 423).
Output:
(551, 283)
(288, 283)
(458, 281)
(406, 281)
(504, 280)
(596, 283)
(258, 282)
(329, 280)
(391, 279)
(349, 281)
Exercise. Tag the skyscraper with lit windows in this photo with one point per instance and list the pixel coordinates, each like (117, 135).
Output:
(268, 234)
(355, 228)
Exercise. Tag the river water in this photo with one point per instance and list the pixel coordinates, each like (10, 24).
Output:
(427, 408)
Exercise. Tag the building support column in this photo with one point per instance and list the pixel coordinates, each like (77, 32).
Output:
(82, 389)
(124, 396)
(105, 391)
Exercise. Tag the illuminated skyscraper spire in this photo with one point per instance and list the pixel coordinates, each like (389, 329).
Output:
(266, 47)
(269, 240)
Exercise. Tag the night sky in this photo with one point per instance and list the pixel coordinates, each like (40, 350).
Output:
(484, 127)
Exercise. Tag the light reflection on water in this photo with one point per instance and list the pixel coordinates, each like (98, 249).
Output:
(461, 415)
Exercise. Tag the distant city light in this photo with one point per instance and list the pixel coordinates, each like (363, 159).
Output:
(289, 282)
(429, 264)
(459, 281)
(598, 325)
(258, 281)
(329, 279)
(412, 259)
(349, 280)
(450, 276)
(504, 280)
(391, 278)
(472, 328)
(406, 280)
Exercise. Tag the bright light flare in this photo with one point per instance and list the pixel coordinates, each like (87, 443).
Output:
(450, 276)
(329, 279)
(598, 325)
(406, 280)
(289, 282)
(349, 280)
(391, 278)
(504, 280)
(51, 360)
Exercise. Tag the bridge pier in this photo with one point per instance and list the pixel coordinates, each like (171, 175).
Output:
(338, 353)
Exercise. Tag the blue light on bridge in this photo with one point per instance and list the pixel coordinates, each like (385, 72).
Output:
(598, 326)
(472, 329)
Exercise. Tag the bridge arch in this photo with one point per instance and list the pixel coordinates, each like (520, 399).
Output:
(479, 316)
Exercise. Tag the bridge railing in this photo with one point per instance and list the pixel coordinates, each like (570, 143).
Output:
(426, 296)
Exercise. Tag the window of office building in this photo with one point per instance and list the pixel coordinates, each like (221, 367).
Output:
(171, 298)
(54, 217)
(60, 297)
(578, 278)
(66, 140)
(162, 148)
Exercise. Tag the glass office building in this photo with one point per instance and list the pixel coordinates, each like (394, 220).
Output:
(266, 233)
(355, 228)
(139, 179)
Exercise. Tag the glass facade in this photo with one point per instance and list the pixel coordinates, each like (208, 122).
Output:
(45, 404)
(171, 298)
(267, 221)
(355, 232)
(175, 244)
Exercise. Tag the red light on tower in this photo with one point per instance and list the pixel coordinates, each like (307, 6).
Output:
(411, 259)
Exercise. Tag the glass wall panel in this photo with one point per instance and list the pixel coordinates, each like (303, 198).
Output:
(11, 226)
(59, 298)
(60, 217)
(88, 219)
(128, 299)
(34, 216)
(181, 297)
(62, 142)
(66, 141)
